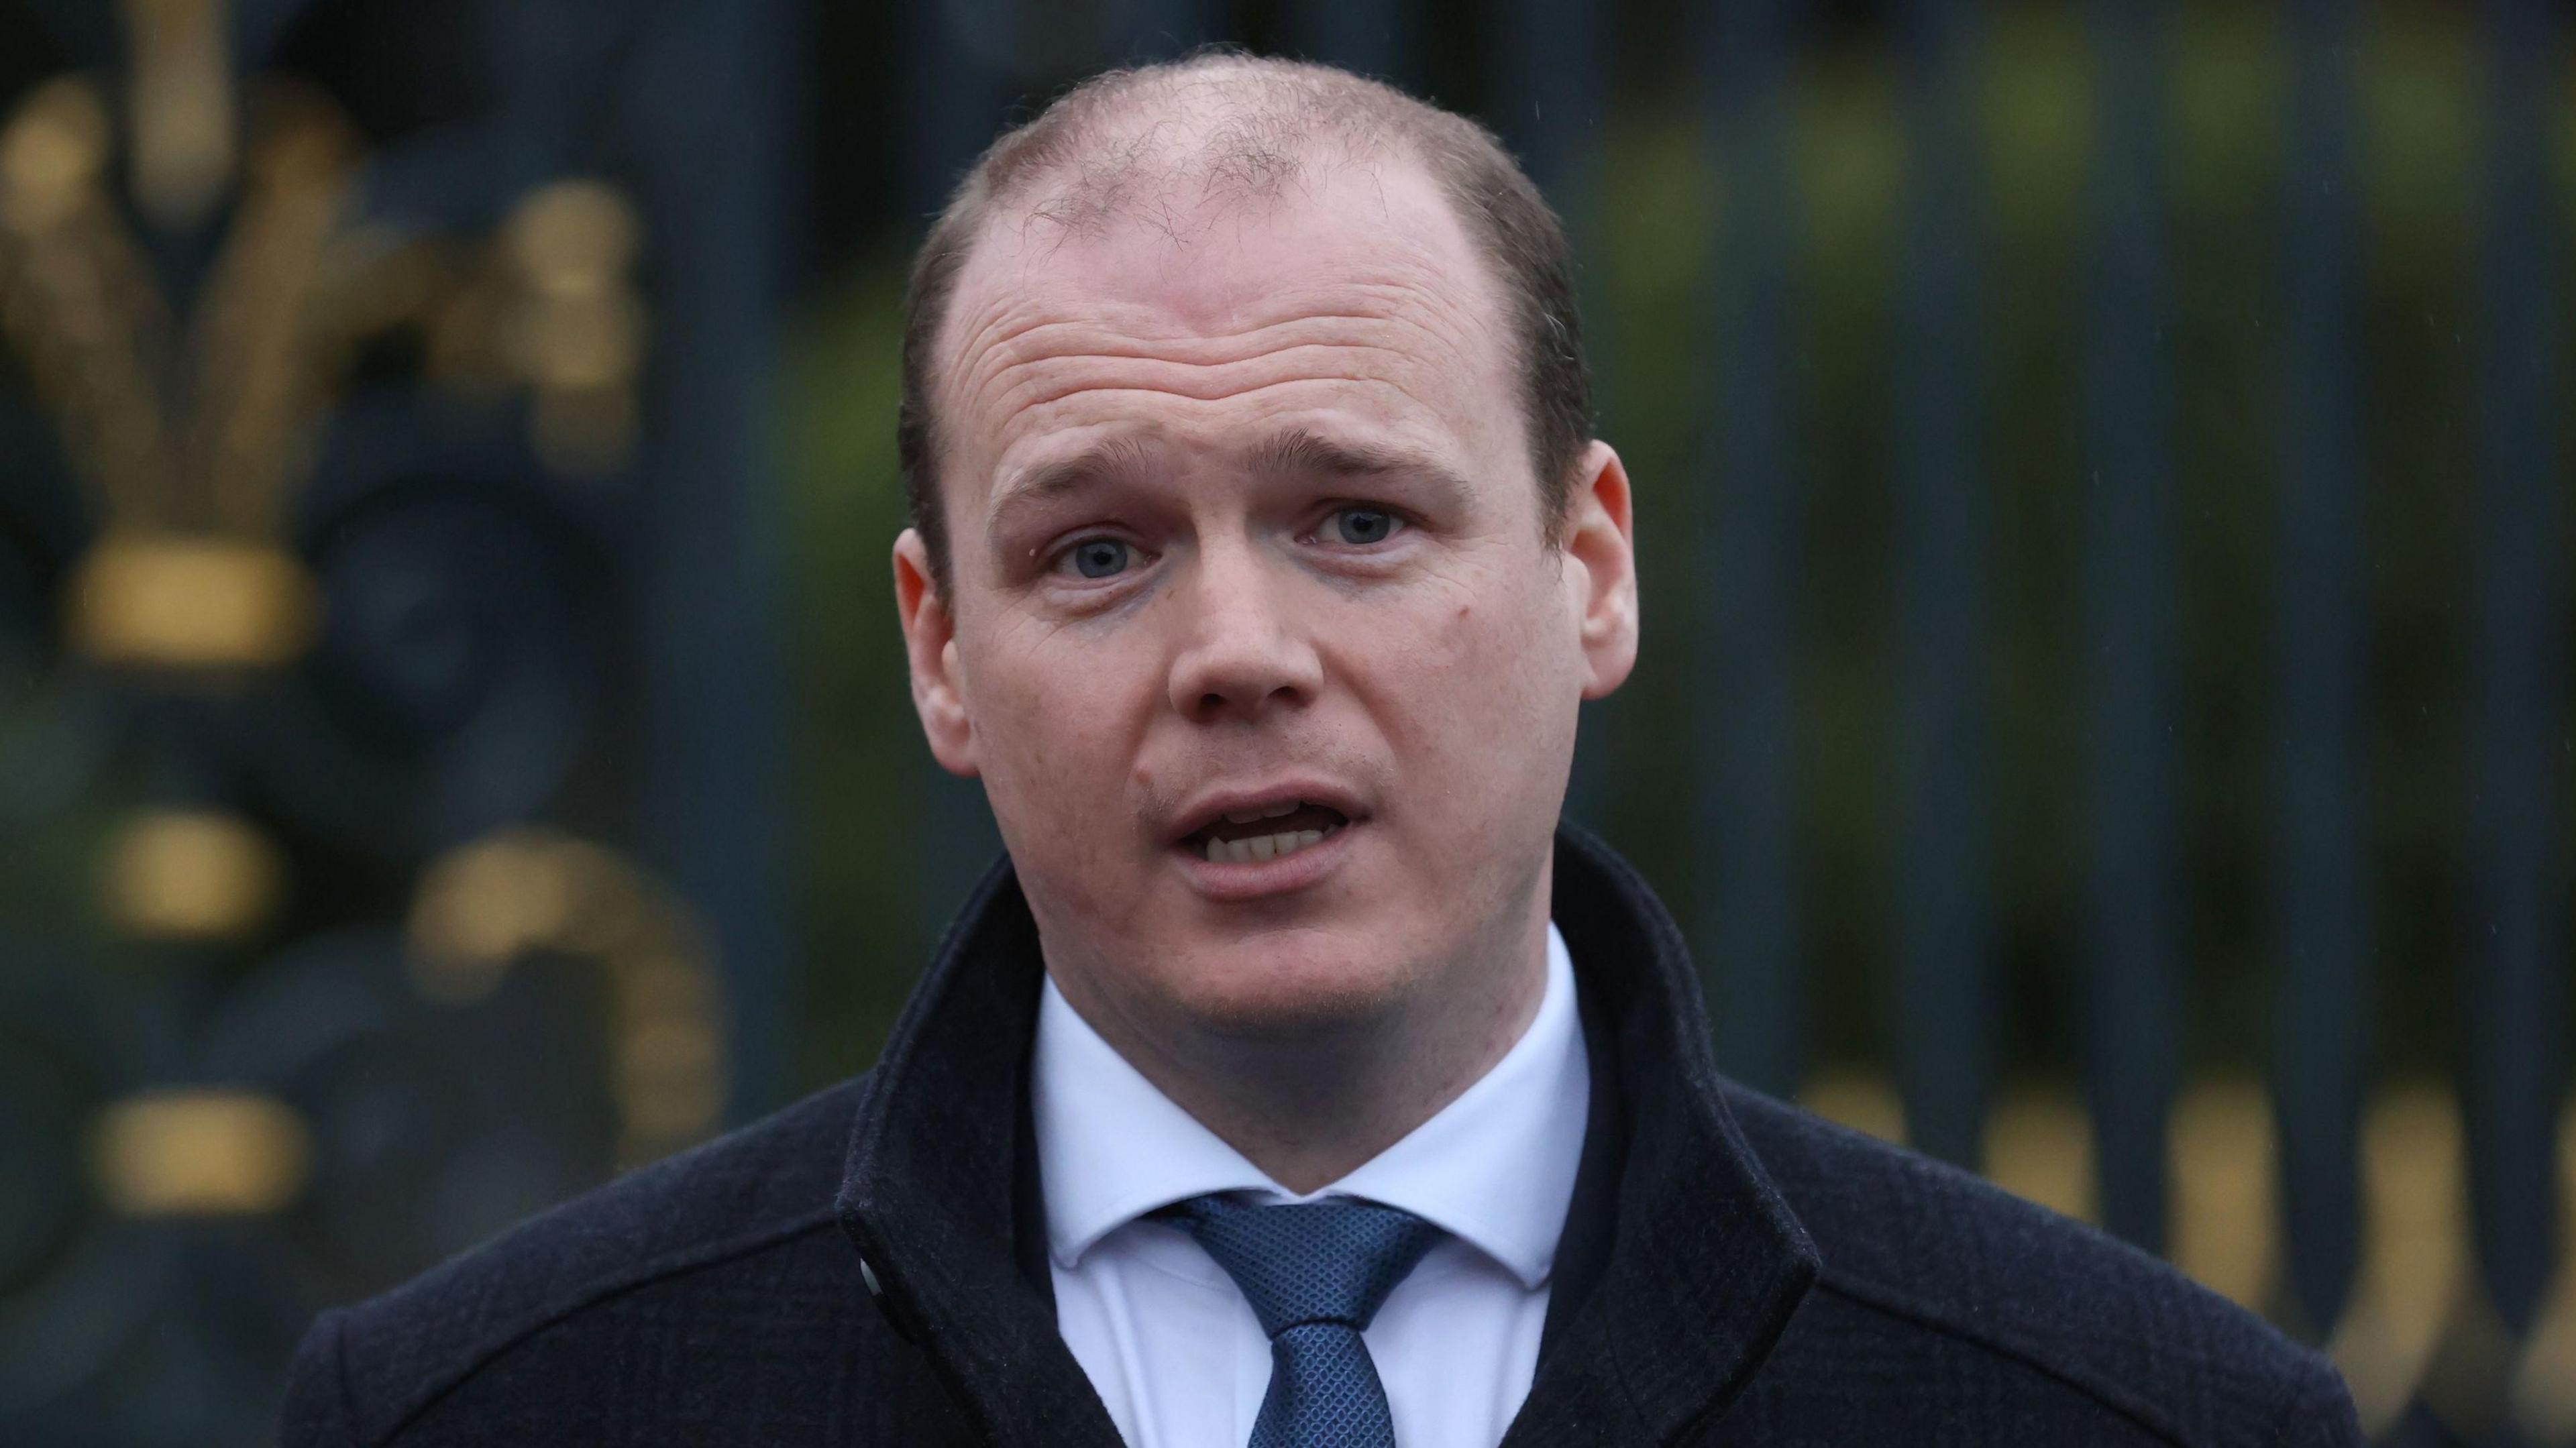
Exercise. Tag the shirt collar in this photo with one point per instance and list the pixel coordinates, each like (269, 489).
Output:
(1700, 1263)
(1494, 1168)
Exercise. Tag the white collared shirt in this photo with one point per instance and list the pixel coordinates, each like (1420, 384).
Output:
(1168, 1341)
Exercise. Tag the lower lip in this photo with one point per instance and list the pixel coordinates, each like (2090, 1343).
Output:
(1257, 879)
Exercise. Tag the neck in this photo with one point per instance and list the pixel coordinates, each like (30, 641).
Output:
(1310, 1103)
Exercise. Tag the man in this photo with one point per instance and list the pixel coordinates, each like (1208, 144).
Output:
(1297, 1080)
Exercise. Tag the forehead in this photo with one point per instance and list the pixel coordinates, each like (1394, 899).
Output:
(1353, 292)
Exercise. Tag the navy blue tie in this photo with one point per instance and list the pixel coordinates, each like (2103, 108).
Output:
(1315, 1274)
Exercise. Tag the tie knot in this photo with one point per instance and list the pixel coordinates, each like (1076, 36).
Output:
(1308, 1262)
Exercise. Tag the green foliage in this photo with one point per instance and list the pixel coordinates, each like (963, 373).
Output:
(858, 748)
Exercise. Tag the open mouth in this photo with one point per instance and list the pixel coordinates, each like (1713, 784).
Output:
(1247, 837)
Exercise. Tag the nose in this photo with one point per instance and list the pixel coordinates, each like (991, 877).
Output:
(1245, 649)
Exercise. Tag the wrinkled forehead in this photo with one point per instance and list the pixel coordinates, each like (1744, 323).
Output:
(1184, 300)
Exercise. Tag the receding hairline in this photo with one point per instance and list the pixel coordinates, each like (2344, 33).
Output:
(1244, 128)
(1243, 125)
(1420, 247)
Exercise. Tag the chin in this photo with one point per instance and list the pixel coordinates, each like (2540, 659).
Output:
(1284, 988)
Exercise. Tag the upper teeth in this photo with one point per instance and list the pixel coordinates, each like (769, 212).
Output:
(1260, 847)
(1265, 812)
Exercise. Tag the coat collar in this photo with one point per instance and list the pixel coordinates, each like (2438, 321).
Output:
(1676, 1236)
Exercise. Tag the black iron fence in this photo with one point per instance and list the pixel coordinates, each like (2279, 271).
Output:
(2102, 476)
(2104, 715)
(387, 718)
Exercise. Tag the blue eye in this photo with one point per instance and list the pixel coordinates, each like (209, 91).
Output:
(1363, 526)
(1101, 557)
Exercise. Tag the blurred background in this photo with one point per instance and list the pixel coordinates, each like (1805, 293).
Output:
(2102, 475)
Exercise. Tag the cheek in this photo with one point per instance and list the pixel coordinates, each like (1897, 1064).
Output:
(1483, 698)
(1055, 724)
(1516, 629)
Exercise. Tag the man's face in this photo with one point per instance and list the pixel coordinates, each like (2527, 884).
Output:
(1255, 637)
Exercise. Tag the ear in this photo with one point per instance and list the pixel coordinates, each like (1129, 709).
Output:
(1601, 583)
(930, 644)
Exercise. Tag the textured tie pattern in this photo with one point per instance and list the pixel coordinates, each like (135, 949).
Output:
(1315, 1274)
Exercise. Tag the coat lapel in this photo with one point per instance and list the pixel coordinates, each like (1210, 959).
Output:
(1684, 1266)
(931, 1198)
(1681, 1264)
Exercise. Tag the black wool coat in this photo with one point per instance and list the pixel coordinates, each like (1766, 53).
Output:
(868, 1267)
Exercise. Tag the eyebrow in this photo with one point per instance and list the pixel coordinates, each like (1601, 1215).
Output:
(1300, 452)
(1297, 452)
(1063, 478)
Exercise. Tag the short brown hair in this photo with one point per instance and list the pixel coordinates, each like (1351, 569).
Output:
(1290, 105)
